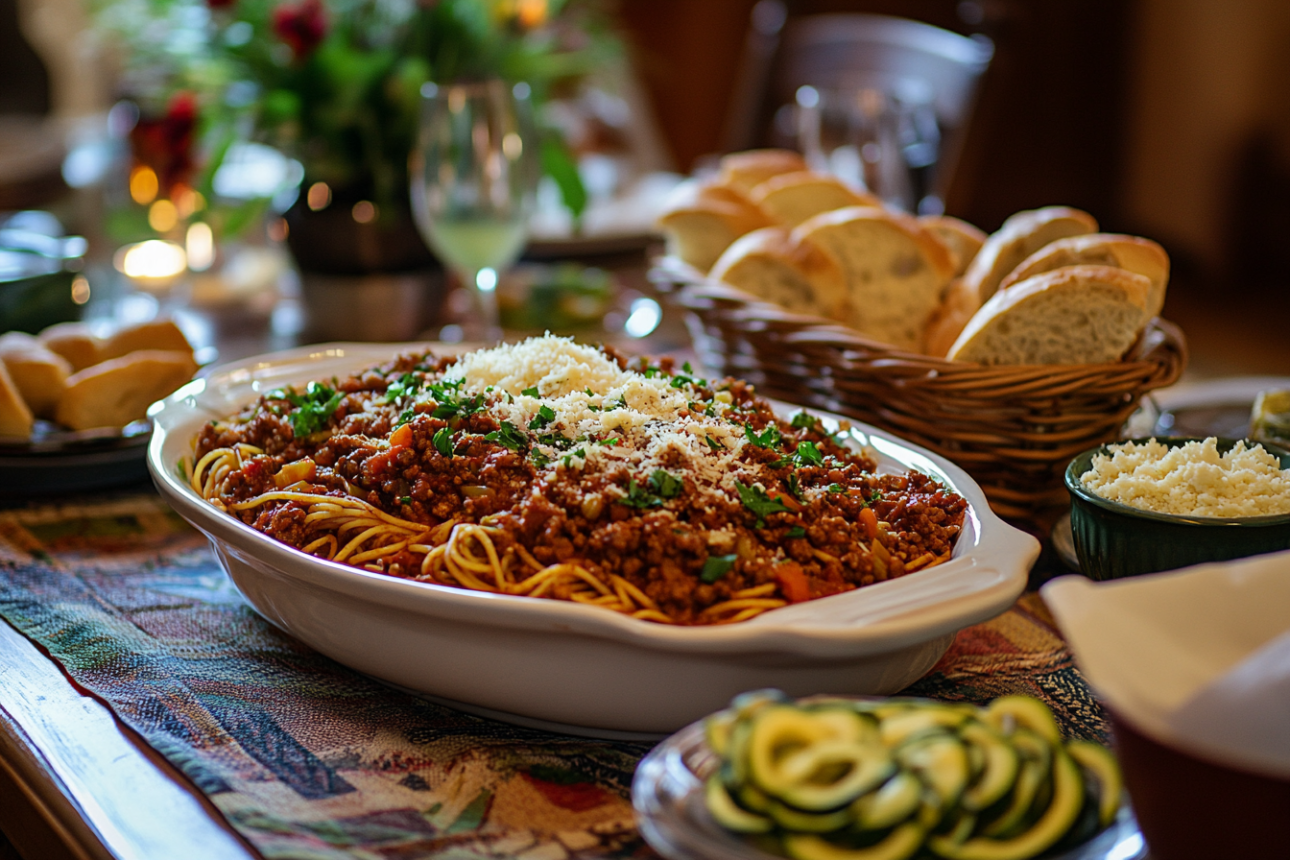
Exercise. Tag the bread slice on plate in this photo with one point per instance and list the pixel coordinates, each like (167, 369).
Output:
(895, 270)
(115, 392)
(1133, 253)
(701, 221)
(1020, 236)
(15, 418)
(743, 171)
(797, 276)
(73, 341)
(791, 198)
(40, 376)
(963, 239)
(1074, 315)
(154, 334)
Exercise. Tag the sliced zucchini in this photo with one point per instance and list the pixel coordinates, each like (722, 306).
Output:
(1007, 713)
(999, 766)
(1052, 825)
(940, 761)
(1032, 778)
(808, 822)
(1100, 768)
(904, 725)
(846, 724)
(737, 753)
(895, 801)
(780, 731)
(958, 827)
(902, 843)
(716, 731)
(746, 704)
(752, 798)
(728, 814)
(832, 774)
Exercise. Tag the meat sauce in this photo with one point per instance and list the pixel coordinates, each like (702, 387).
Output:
(815, 525)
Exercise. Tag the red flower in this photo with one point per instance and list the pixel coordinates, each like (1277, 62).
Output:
(165, 143)
(301, 26)
(220, 4)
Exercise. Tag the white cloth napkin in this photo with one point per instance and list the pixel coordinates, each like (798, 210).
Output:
(1198, 659)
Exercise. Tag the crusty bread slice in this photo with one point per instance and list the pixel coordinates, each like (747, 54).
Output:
(115, 392)
(1133, 253)
(744, 171)
(1074, 315)
(895, 270)
(15, 417)
(73, 341)
(791, 198)
(40, 376)
(797, 276)
(154, 334)
(963, 239)
(1020, 236)
(701, 221)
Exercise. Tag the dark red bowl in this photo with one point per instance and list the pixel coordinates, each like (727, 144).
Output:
(1192, 809)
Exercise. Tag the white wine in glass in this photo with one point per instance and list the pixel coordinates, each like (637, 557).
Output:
(474, 175)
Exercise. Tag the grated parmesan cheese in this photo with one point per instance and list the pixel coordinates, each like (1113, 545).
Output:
(1192, 479)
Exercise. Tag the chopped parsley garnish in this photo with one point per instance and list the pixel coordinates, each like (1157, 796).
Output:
(405, 500)
(590, 393)
(313, 408)
(568, 458)
(509, 436)
(620, 403)
(714, 444)
(639, 497)
(450, 403)
(667, 485)
(556, 440)
(836, 488)
(404, 417)
(875, 496)
(531, 392)
(717, 566)
(768, 438)
(406, 385)
(808, 454)
(794, 486)
(802, 421)
(756, 500)
(443, 441)
(610, 442)
(680, 380)
(545, 416)
(539, 458)
(795, 532)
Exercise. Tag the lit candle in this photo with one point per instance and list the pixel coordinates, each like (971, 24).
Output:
(152, 265)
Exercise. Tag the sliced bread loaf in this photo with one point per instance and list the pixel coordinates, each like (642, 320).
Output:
(15, 417)
(1073, 315)
(701, 221)
(895, 270)
(963, 239)
(791, 198)
(798, 276)
(1133, 253)
(1020, 236)
(743, 171)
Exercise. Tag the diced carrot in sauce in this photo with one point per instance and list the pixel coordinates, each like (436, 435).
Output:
(402, 437)
(869, 520)
(792, 581)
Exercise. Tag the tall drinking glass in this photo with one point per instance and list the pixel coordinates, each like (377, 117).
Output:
(474, 177)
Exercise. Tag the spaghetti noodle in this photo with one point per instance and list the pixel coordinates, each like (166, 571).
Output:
(551, 470)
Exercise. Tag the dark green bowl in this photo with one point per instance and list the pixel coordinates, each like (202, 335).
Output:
(1113, 540)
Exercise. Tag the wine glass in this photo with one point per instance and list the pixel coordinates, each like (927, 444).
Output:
(474, 174)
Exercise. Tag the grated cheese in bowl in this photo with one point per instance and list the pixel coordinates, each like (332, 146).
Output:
(1192, 479)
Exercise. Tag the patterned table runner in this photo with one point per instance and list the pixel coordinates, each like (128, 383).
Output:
(311, 761)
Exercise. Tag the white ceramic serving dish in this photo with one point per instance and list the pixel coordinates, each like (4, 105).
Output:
(557, 662)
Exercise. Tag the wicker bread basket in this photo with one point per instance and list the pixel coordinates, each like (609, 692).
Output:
(1013, 428)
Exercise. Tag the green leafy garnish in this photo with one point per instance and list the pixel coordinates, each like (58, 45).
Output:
(756, 500)
(796, 532)
(508, 436)
(405, 500)
(405, 385)
(556, 440)
(313, 408)
(545, 416)
(640, 498)
(714, 444)
(768, 438)
(568, 458)
(531, 392)
(404, 417)
(795, 486)
(667, 485)
(443, 441)
(802, 421)
(717, 566)
(836, 488)
(610, 442)
(808, 454)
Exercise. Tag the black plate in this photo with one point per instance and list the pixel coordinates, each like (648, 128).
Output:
(56, 461)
